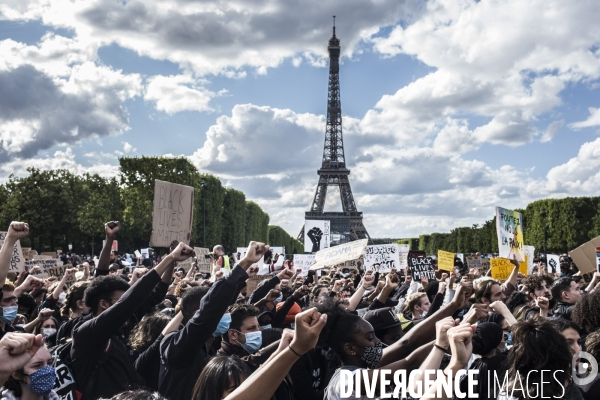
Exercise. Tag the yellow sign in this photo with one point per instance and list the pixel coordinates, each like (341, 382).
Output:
(501, 268)
(445, 260)
(523, 266)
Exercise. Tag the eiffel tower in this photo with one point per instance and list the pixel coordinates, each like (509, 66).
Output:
(347, 225)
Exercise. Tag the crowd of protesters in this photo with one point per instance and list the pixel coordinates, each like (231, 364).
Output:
(151, 330)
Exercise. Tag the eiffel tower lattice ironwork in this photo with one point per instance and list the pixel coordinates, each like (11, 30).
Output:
(348, 224)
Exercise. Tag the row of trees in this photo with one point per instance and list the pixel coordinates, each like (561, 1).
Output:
(567, 223)
(63, 208)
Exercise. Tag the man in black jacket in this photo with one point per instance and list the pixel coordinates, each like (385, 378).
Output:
(101, 362)
(566, 291)
(184, 353)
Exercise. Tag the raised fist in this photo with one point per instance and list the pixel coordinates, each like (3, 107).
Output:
(315, 235)
(111, 228)
(18, 230)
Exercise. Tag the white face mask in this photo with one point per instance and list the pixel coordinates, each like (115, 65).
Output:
(293, 325)
(62, 297)
(48, 332)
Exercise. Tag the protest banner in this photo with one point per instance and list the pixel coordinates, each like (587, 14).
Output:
(316, 235)
(501, 268)
(204, 263)
(43, 265)
(303, 261)
(509, 226)
(341, 253)
(114, 247)
(420, 265)
(403, 250)
(253, 281)
(552, 263)
(445, 260)
(43, 257)
(17, 261)
(146, 253)
(530, 254)
(581, 260)
(474, 262)
(386, 255)
(138, 254)
(173, 213)
(59, 271)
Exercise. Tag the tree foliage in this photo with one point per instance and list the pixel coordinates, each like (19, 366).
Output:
(63, 208)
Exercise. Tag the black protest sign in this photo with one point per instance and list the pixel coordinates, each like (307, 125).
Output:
(420, 265)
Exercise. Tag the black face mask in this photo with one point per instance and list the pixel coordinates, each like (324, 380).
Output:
(372, 355)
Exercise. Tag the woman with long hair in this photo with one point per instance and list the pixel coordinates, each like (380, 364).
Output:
(221, 376)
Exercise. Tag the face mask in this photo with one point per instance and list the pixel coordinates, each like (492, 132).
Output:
(9, 313)
(42, 380)
(223, 325)
(62, 297)
(264, 327)
(509, 339)
(424, 314)
(253, 341)
(48, 332)
(372, 355)
(279, 299)
(293, 325)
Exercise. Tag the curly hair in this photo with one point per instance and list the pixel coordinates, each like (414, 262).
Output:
(341, 325)
(74, 294)
(592, 344)
(585, 313)
(533, 282)
(538, 346)
(517, 299)
(147, 330)
(102, 288)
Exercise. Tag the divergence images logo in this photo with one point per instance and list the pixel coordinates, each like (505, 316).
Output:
(581, 368)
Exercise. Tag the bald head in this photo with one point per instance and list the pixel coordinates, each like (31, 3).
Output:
(219, 250)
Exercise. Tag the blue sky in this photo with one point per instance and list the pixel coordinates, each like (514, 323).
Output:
(450, 108)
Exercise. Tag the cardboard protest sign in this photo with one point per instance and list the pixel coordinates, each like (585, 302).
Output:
(509, 225)
(204, 263)
(17, 261)
(403, 250)
(386, 255)
(59, 271)
(43, 265)
(581, 260)
(42, 257)
(420, 265)
(316, 235)
(252, 283)
(137, 254)
(474, 262)
(352, 264)
(530, 254)
(552, 263)
(341, 253)
(445, 260)
(50, 254)
(485, 264)
(303, 261)
(173, 213)
(501, 268)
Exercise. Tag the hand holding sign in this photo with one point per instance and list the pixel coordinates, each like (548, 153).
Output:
(17, 230)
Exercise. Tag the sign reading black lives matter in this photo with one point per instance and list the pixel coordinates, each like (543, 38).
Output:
(173, 213)
(420, 265)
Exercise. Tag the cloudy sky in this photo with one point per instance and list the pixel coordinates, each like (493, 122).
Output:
(451, 107)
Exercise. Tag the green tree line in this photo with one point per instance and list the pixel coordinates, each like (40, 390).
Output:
(568, 222)
(63, 208)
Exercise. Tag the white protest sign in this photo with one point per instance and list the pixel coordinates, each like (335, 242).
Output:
(530, 254)
(303, 261)
(509, 226)
(341, 253)
(386, 255)
(146, 253)
(403, 250)
(17, 261)
(552, 264)
(316, 235)
(267, 269)
(138, 254)
(173, 213)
